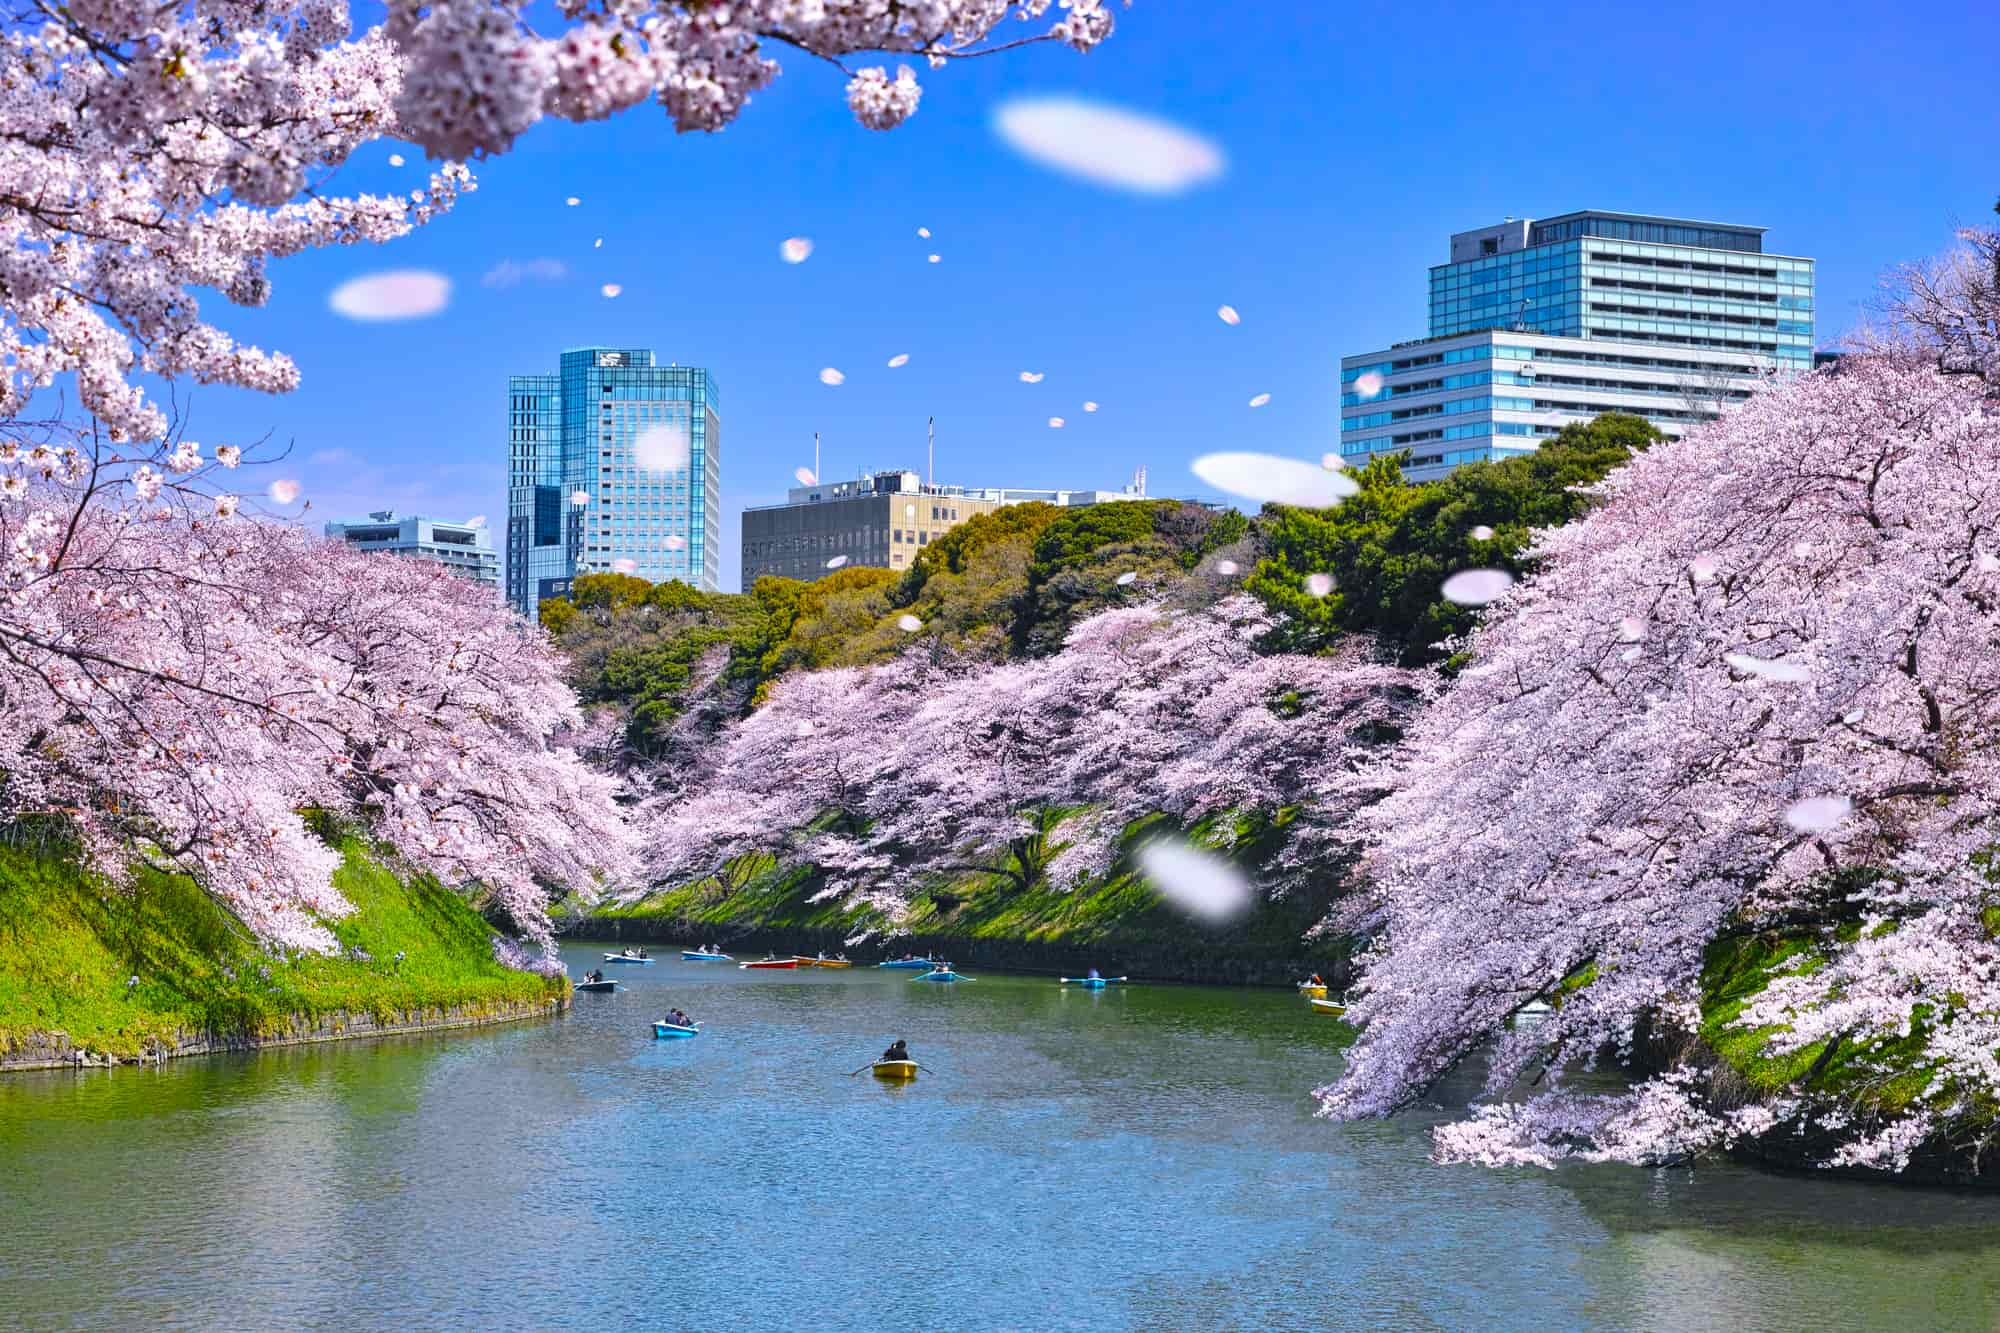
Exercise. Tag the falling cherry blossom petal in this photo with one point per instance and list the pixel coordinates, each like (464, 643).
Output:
(1108, 145)
(1227, 314)
(579, 497)
(597, 244)
(1631, 630)
(610, 290)
(934, 258)
(625, 566)
(908, 624)
(1476, 587)
(1768, 668)
(1817, 814)
(1319, 585)
(831, 376)
(663, 447)
(1225, 567)
(572, 201)
(1031, 376)
(395, 159)
(805, 476)
(403, 294)
(1127, 579)
(924, 232)
(1267, 477)
(1055, 423)
(899, 360)
(476, 521)
(284, 491)
(1090, 407)
(796, 249)
(1199, 883)
(836, 562)
(1482, 533)
(675, 543)
(1368, 384)
(1702, 569)
(1260, 400)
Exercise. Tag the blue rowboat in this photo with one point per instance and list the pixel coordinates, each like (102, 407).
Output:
(625, 958)
(943, 976)
(908, 964)
(697, 956)
(662, 1028)
(1092, 983)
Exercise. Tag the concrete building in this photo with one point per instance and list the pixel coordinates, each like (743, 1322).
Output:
(881, 519)
(466, 549)
(614, 463)
(1536, 324)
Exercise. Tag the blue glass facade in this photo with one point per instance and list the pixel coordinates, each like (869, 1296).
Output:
(584, 498)
(1630, 279)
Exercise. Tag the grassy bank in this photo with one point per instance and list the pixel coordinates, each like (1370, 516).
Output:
(1118, 916)
(69, 944)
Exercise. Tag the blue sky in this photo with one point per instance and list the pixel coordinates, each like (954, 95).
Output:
(1356, 141)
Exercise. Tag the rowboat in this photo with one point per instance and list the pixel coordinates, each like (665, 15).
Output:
(662, 1028)
(1092, 983)
(625, 958)
(1312, 992)
(769, 962)
(895, 1069)
(943, 976)
(697, 956)
(821, 961)
(1327, 1007)
(907, 964)
(606, 985)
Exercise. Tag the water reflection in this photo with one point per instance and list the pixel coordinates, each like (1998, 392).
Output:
(1145, 1157)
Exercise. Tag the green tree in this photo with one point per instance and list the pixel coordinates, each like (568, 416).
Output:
(1389, 548)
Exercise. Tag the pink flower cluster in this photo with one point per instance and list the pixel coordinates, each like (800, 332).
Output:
(1755, 690)
(887, 777)
(153, 151)
(182, 685)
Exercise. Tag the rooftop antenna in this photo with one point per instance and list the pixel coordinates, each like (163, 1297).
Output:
(930, 454)
(815, 458)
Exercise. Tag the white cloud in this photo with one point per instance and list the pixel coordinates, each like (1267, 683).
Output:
(329, 457)
(1108, 145)
(509, 273)
(401, 294)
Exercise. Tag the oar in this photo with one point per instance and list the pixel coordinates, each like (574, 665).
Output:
(1081, 980)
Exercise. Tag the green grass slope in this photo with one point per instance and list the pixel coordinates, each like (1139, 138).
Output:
(69, 943)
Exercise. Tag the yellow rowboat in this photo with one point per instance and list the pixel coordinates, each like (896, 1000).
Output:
(1312, 992)
(895, 1069)
(1328, 1007)
(804, 961)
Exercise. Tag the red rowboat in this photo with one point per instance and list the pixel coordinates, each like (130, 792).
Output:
(770, 962)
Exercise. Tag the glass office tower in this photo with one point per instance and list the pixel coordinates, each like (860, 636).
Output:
(1629, 278)
(613, 464)
(1535, 325)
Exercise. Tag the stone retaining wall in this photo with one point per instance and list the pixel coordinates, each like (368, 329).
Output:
(55, 1050)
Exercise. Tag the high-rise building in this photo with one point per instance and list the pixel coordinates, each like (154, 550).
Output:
(1537, 324)
(466, 548)
(613, 465)
(882, 519)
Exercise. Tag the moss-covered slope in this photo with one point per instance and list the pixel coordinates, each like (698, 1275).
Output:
(69, 944)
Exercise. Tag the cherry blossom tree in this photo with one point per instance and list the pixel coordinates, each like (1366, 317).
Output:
(1755, 693)
(148, 151)
(889, 777)
(183, 682)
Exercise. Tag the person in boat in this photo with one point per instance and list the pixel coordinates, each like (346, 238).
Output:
(1314, 980)
(1093, 974)
(642, 953)
(899, 1051)
(940, 967)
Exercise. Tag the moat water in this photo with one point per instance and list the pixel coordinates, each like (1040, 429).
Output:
(1141, 1157)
